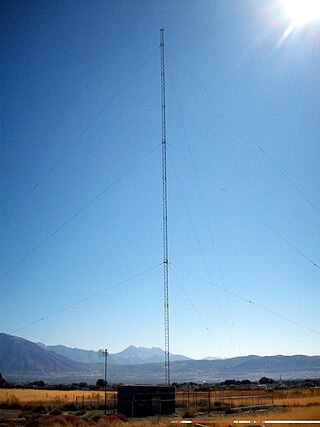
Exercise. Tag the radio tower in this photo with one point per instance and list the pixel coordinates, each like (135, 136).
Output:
(165, 214)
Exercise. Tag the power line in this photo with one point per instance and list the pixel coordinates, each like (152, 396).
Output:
(198, 313)
(68, 149)
(247, 300)
(251, 139)
(274, 231)
(189, 72)
(287, 241)
(200, 248)
(284, 174)
(196, 175)
(284, 239)
(85, 299)
(202, 253)
(68, 221)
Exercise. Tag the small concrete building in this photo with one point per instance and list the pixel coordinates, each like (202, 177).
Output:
(143, 400)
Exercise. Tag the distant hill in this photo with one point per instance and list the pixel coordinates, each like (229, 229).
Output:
(22, 360)
(76, 354)
(130, 356)
(239, 368)
(211, 358)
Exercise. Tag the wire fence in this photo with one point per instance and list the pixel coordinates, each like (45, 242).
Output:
(197, 401)
(98, 401)
(188, 400)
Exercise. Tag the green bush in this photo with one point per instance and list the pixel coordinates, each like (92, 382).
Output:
(33, 421)
(70, 406)
(188, 414)
(56, 411)
(11, 403)
(39, 409)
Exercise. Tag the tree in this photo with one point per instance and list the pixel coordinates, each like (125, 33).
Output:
(266, 380)
(39, 383)
(83, 384)
(230, 382)
(176, 385)
(101, 383)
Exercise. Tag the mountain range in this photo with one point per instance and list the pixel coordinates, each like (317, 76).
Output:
(130, 356)
(24, 361)
(20, 358)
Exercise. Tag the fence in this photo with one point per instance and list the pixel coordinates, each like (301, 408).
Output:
(189, 400)
(98, 402)
(207, 401)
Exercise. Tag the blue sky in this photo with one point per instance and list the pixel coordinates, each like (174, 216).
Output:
(81, 107)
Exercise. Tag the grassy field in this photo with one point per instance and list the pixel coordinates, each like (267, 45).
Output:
(30, 395)
(289, 398)
(39, 408)
(306, 413)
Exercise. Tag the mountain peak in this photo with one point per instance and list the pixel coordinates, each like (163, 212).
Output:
(131, 347)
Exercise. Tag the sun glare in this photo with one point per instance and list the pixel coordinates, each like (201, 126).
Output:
(301, 12)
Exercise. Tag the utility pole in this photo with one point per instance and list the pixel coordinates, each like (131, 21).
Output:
(104, 353)
(165, 213)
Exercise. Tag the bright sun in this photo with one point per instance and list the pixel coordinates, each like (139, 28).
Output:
(300, 12)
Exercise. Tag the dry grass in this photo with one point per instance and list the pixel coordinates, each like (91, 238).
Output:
(288, 414)
(297, 397)
(302, 401)
(223, 421)
(300, 405)
(292, 398)
(281, 397)
(30, 395)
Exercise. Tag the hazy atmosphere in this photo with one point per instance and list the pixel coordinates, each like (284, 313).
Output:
(81, 186)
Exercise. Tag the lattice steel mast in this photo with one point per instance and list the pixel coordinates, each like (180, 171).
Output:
(165, 213)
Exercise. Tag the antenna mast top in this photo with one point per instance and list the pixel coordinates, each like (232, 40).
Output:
(165, 213)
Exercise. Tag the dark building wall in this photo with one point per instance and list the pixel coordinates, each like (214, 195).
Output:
(142, 401)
